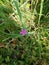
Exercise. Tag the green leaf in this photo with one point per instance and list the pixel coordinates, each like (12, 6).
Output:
(18, 10)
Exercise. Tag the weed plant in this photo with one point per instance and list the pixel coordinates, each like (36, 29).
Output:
(24, 32)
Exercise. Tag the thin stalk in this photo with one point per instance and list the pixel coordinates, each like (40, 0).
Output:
(24, 4)
(16, 9)
(40, 14)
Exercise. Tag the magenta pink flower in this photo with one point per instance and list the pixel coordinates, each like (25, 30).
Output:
(23, 32)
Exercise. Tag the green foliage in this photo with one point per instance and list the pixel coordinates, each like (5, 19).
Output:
(17, 8)
(33, 48)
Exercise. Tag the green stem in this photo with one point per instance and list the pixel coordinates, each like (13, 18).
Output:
(40, 14)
